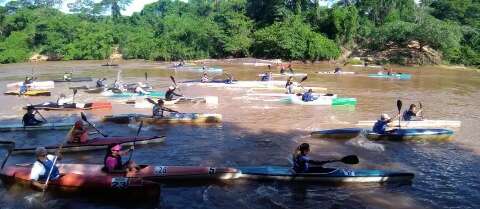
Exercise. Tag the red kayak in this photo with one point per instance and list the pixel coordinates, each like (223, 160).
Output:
(97, 143)
(161, 173)
(91, 182)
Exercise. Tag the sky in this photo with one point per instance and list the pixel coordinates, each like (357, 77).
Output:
(137, 5)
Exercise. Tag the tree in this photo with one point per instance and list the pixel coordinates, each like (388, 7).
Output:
(114, 6)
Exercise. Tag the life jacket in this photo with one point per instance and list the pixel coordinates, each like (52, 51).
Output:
(300, 163)
(380, 127)
(157, 111)
(118, 165)
(48, 165)
(79, 136)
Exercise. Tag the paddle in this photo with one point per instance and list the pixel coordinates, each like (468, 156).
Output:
(74, 93)
(350, 159)
(303, 79)
(84, 118)
(174, 82)
(54, 162)
(135, 139)
(399, 107)
(146, 76)
(163, 108)
(421, 109)
(10, 149)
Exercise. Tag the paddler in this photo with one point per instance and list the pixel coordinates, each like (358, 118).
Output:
(381, 125)
(170, 93)
(158, 109)
(412, 113)
(29, 117)
(67, 76)
(289, 85)
(337, 70)
(100, 83)
(308, 96)
(23, 88)
(113, 160)
(78, 134)
(290, 69)
(282, 69)
(139, 89)
(42, 167)
(28, 80)
(301, 161)
(267, 76)
(204, 78)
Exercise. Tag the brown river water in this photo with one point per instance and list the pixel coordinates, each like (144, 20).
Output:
(256, 132)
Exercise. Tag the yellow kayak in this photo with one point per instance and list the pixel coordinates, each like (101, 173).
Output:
(173, 118)
(30, 93)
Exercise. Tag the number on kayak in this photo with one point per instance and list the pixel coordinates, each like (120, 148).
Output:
(119, 182)
(160, 170)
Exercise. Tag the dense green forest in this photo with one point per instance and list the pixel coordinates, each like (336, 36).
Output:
(287, 29)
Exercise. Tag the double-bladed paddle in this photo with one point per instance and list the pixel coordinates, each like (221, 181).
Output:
(399, 107)
(135, 140)
(163, 108)
(350, 159)
(84, 118)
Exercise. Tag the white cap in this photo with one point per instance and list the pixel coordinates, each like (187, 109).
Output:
(384, 116)
(171, 87)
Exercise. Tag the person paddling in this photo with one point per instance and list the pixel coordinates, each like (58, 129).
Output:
(282, 69)
(67, 76)
(301, 161)
(100, 83)
(42, 166)
(289, 85)
(204, 78)
(170, 93)
(290, 69)
(158, 109)
(381, 125)
(78, 134)
(308, 96)
(113, 160)
(29, 117)
(267, 76)
(337, 70)
(412, 113)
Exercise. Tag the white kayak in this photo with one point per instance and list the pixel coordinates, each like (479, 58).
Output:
(257, 64)
(416, 123)
(287, 95)
(209, 100)
(240, 84)
(322, 100)
(336, 73)
(36, 85)
(285, 74)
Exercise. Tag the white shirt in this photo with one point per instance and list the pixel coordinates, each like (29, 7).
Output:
(38, 169)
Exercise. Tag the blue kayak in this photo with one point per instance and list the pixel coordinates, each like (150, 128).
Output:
(329, 175)
(342, 133)
(401, 76)
(412, 134)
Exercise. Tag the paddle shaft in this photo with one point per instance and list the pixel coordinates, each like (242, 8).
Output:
(84, 117)
(399, 107)
(55, 161)
(135, 140)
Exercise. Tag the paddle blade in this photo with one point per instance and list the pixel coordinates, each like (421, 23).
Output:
(303, 79)
(75, 92)
(399, 105)
(173, 80)
(420, 105)
(350, 159)
(150, 100)
(84, 117)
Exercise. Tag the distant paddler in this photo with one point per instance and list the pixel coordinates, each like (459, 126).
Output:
(44, 168)
(289, 85)
(412, 113)
(139, 89)
(170, 93)
(204, 78)
(29, 117)
(67, 76)
(337, 70)
(267, 76)
(308, 96)
(100, 83)
(78, 134)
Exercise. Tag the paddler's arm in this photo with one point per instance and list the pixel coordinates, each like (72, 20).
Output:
(38, 184)
(169, 110)
(316, 162)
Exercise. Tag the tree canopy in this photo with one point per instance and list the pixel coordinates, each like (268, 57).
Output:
(292, 29)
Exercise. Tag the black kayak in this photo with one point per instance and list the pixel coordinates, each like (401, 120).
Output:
(343, 133)
(77, 79)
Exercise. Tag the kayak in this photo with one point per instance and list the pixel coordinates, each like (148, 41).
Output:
(401, 76)
(257, 64)
(416, 123)
(285, 74)
(210, 100)
(94, 182)
(343, 133)
(197, 69)
(78, 87)
(287, 95)
(412, 134)
(36, 85)
(72, 106)
(30, 93)
(77, 79)
(239, 84)
(336, 73)
(95, 90)
(131, 94)
(109, 65)
(329, 175)
(44, 126)
(173, 118)
(323, 100)
(97, 143)
(164, 174)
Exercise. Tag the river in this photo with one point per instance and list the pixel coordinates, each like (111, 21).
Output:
(257, 132)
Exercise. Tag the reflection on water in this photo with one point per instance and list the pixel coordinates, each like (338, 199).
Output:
(259, 132)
